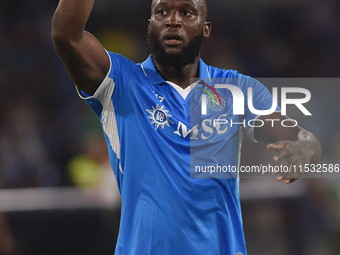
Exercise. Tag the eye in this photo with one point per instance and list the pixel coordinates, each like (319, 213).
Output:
(162, 12)
(187, 13)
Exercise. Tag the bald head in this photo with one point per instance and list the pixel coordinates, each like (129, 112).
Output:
(201, 3)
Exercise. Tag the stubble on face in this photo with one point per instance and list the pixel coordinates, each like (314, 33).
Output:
(178, 60)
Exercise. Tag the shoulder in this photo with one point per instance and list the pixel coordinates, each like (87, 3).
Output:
(230, 75)
(233, 77)
(121, 65)
(120, 60)
(216, 72)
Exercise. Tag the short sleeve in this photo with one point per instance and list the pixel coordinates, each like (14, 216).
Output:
(261, 100)
(119, 74)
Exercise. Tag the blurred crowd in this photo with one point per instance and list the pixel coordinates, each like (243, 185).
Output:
(49, 137)
(43, 123)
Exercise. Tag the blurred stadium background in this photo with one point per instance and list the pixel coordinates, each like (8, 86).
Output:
(57, 191)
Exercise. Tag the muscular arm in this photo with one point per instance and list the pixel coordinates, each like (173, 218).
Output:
(83, 56)
(294, 145)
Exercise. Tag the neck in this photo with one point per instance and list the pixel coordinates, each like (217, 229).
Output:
(180, 76)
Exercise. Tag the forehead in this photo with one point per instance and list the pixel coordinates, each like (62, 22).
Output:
(193, 3)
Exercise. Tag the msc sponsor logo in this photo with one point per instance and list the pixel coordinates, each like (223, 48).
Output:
(209, 126)
(159, 116)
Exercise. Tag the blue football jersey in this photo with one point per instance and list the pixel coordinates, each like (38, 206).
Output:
(160, 146)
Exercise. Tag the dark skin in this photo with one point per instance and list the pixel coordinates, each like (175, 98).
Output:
(180, 20)
(82, 54)
(176, 22)
(294, 145)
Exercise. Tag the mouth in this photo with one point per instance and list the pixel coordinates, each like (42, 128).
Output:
(172, 39)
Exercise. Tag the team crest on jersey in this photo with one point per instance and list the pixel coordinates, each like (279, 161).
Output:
(159, 116)
(215, 104)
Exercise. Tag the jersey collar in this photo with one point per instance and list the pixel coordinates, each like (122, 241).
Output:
(154, 76)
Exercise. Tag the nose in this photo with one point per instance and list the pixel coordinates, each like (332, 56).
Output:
(174, 20)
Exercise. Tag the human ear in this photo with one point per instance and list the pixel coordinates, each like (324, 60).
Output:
(149, 25)
(207, 29)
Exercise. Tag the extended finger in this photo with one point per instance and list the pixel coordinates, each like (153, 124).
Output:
(276, 146)
(282, 154)
(287, 166)
(285, 172)
(291, 172)
(293, 177)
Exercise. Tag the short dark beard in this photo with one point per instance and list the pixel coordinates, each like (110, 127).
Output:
(187, 55)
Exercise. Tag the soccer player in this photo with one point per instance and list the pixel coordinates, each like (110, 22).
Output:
(158, 132)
